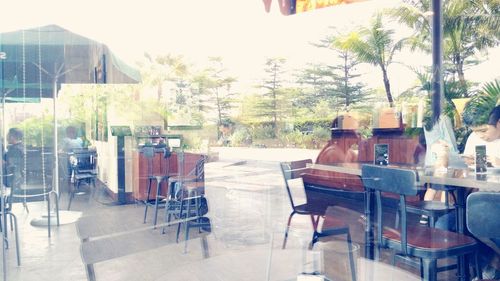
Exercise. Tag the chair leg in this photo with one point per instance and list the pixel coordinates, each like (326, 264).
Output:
(72, 193)
(287, 228)
(25, 206)
(16, 233)
(57, 207)
(432, 221)
(4, 229)
(479, 273)
(204, 247)
(147, 200)
(393, 258)
(158, 187)
(351, 257)
(11, 225)
(186, 224)
(89, 269)
(180, 222)
(48, 215)
(429, 266)
(314, 222)
(167, 216)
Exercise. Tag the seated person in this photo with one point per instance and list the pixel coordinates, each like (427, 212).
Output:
(71, 141)
(441, 142)
(14, 157)
(489, 136)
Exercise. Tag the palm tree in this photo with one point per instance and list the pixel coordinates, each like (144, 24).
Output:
(157, 70)
(375, 45)
(482, 103)
(468, 27)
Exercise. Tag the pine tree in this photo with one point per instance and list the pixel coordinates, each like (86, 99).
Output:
(273, 92)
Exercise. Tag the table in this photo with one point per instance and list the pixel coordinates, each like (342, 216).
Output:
(285, 267)
(463, 180)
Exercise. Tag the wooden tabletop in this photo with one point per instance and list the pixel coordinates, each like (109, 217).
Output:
(452, 177)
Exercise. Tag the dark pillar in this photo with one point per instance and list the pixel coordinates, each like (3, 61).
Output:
(120, 146)
(437, 59)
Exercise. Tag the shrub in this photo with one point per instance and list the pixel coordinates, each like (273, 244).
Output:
(241, 136)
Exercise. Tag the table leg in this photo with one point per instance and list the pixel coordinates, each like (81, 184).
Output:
(463, 262)
(369, 212)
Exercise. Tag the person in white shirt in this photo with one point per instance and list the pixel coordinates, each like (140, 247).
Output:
(488, 136)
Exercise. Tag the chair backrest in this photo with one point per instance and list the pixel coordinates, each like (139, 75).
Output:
(85, 160)
(392, 180)
(292, 170)
(482, 214)
(200, 169)
(149, 153)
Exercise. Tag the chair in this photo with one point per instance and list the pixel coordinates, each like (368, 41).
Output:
(425, 243)
(482, 218)
(84, 165)
(33, 182)
(195, 175)
(8, 212)
(290, 171)
(183, 189)
(192, 210)
(157, 202)
(432, 209)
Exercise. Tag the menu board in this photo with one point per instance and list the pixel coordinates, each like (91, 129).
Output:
(381, 156)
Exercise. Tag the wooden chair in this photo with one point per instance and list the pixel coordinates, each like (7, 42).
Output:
(422, 242)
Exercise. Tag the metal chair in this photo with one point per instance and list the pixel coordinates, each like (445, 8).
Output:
(433, 209)
(425, 243)
(192, 210)
(185, 189)
(84, 165)
(7, 200)
(482, 218)
(158, 201)
(33, 182)
(290, 171)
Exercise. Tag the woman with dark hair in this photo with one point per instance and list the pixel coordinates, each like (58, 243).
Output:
(441, 146)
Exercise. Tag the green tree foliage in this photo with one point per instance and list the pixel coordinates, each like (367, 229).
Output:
(349, 91)
(212, 88)
(375, 45)
(481, 104)
(468, 27)
(273, 92)
(156, 71)
(316, 81)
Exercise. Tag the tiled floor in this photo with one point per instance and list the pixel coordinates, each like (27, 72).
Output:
(248, 211)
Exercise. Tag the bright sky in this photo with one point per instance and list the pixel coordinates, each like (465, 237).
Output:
(238, 30)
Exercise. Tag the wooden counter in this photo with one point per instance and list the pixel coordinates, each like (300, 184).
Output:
(161, 166)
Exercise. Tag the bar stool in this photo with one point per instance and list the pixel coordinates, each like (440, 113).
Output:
(180, 185)
(149, 153)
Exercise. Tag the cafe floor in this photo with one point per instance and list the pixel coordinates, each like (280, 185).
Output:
(248, 208)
